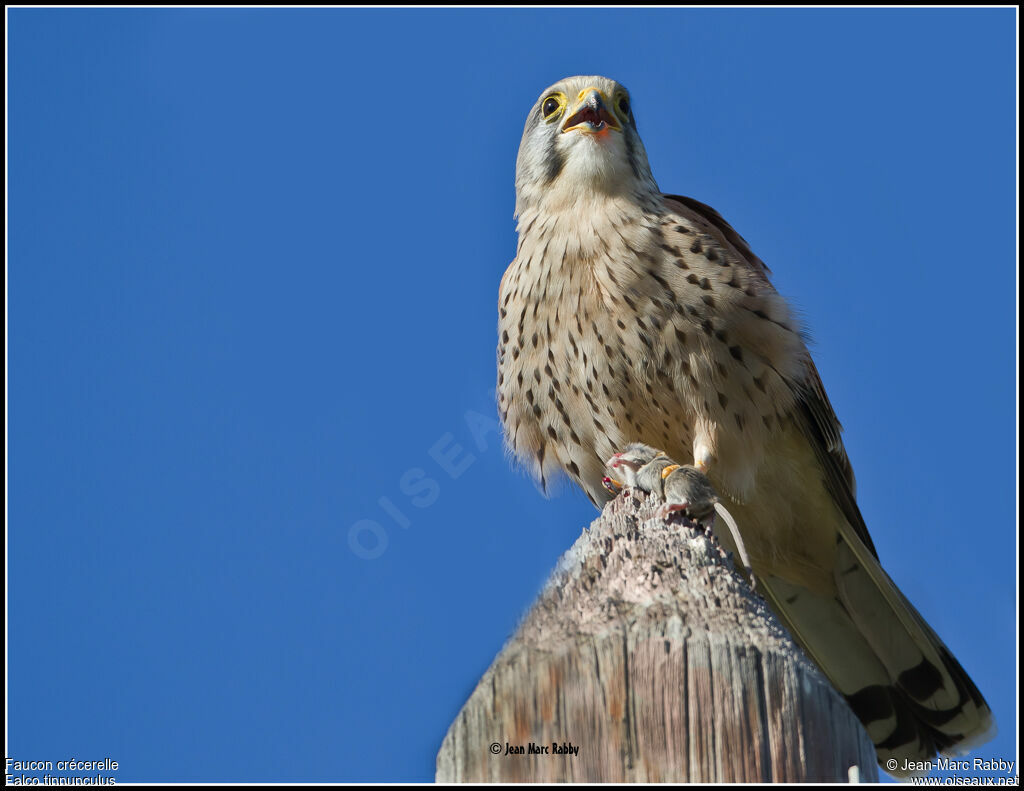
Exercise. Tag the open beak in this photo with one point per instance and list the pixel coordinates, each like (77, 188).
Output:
(591, 114)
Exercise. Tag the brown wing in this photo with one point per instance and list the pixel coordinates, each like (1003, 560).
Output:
(912, 693)
(814, 411)
(821, 426)
(716, 219)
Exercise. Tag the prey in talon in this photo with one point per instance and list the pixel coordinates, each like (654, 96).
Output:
(651, 477)
(687, 489)
(629, 462)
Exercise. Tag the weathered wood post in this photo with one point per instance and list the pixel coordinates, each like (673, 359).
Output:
(647, 658)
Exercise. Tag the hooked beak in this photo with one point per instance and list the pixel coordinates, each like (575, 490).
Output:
(591, 114)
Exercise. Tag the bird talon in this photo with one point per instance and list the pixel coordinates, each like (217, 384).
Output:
(614, 487)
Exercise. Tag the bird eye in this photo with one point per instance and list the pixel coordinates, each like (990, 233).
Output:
(551, 106)
(624, 106)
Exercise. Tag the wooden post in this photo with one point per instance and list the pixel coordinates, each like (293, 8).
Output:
(648, 658)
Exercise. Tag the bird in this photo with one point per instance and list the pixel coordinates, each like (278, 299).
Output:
(631, 315)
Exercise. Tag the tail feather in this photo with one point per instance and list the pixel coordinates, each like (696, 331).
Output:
(827, 633)
(912, 696)
(933, 687)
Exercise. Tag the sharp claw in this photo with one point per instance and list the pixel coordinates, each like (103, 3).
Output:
(611, 485)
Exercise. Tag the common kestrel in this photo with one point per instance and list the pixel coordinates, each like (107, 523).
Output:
(629, 315)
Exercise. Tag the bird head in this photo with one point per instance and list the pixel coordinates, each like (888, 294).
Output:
(581, 139)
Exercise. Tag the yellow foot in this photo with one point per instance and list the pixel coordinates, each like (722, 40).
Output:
(612, 486)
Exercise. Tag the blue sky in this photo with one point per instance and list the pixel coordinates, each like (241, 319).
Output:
(260, 524)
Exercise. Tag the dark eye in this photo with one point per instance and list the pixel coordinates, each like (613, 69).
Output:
(624, 106)
(550, 106)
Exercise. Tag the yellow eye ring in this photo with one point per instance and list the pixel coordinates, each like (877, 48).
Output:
(552, 106)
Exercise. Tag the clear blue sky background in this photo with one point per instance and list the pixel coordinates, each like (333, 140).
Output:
(253, 266)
